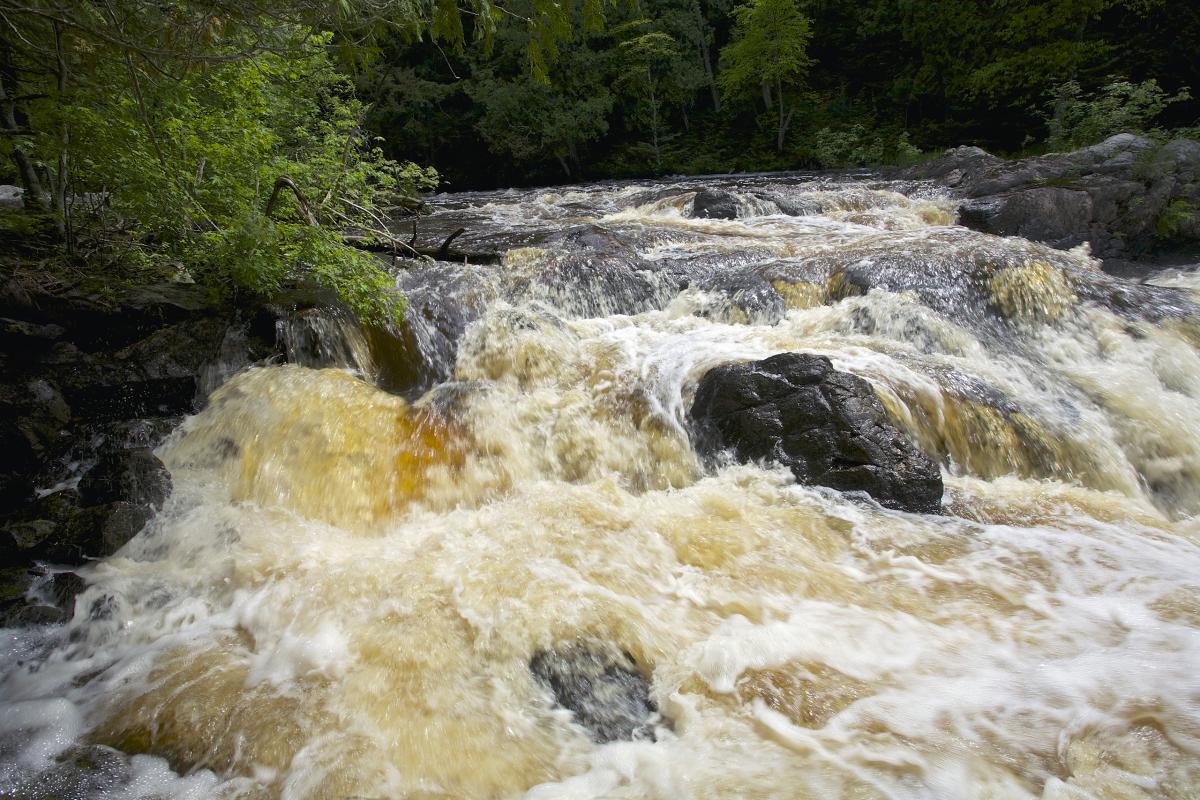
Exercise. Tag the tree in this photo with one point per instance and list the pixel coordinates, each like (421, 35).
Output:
(191, 116)
(768, 54)
(653, 71)
(686, 21)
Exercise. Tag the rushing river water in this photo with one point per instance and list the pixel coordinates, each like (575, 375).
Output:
(344, 593)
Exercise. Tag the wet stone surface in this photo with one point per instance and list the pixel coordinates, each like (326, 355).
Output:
(826, 426)
(603, 689)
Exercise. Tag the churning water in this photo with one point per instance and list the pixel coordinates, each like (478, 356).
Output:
(343, 596)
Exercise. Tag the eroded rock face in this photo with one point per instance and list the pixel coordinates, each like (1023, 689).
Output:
(603, 688)
(827, 426)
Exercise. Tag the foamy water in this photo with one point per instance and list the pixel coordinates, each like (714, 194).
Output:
(345, 590)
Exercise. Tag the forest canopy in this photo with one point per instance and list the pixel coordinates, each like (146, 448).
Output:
(703, 86)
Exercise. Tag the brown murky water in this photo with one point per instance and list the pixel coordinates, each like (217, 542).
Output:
(343, 595)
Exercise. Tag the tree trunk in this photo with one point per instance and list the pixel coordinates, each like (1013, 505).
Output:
(706, 56)
(654, 119)
(35, 198)
(62, 179)
(766, 94)
(782, 122)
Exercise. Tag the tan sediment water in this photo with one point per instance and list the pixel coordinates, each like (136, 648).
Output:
(344, 593)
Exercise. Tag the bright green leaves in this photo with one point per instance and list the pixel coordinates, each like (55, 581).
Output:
(188, 162)
(1076, 118)
(768, 55)
(770, 42)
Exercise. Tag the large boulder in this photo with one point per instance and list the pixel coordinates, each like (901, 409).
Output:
(955, 167)
(11, 197)
(1057, 216)
(827, 426)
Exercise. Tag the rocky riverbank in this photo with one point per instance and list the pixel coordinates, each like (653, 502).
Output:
(1134, 201)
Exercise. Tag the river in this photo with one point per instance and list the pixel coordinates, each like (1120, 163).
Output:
(345, 591)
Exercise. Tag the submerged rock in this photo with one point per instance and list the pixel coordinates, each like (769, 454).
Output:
(827, 426)
(603, 688)
(714, 204)
(80, 772)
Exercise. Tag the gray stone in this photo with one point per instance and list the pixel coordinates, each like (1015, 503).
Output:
(135, 476)
(11, 197)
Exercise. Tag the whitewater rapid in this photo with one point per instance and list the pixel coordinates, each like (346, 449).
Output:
(344, 592)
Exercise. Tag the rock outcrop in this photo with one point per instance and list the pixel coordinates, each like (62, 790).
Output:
(1127, 196)
(92, 384)
(828, 427)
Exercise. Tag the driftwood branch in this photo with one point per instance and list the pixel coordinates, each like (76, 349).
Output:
(443, 252)
(284, 181)
(380, 241)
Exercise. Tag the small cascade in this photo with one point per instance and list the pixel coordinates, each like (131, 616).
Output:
(326, 337)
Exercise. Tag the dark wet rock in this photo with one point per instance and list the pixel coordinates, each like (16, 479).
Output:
(743, 295)
(603, 688)
(94, 380)
(421, 353)
(65, 530)
(714, 204)
(956, 167)
(31, 536)
(316, 329)
(827, 426)
(134, 475)
(14, 583)
(28, 615)
(110, 322)
(589, 271)
(66, 586)
(736, 283)
(805, 205)
(587, 285)
(1056, 216)
(30, 596)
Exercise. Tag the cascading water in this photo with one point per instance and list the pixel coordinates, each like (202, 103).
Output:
(346, 590)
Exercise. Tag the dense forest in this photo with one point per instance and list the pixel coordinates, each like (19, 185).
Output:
(704, 86)
(236, 143)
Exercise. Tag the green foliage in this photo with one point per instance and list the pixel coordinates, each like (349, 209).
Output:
(857, 146)
(1077, 118)
(768, 54)
(187, 163)
(846, 84)
(189, 118)
(260, 255)
(1178, 215)
(769, 44)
